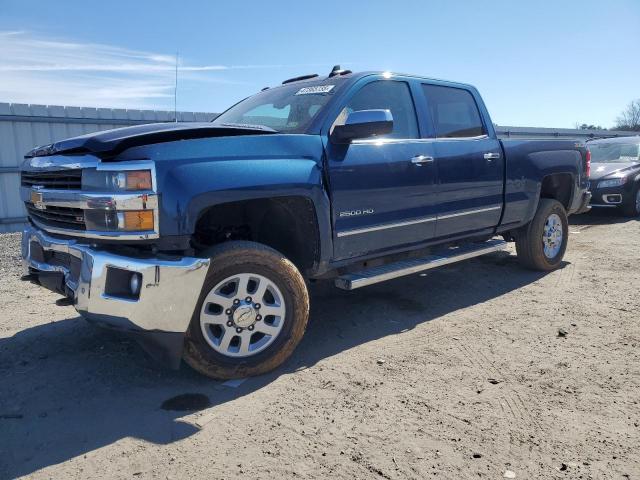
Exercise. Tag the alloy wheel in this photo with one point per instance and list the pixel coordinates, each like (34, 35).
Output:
(552, 236)
(242, 315)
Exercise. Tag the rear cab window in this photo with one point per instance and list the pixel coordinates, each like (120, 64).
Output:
(454, 112)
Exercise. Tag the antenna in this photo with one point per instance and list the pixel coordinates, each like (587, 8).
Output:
(175, 93)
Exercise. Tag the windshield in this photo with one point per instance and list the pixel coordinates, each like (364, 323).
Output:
(614, 152)
(287, 109)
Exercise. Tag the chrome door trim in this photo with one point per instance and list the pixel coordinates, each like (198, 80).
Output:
(385, 226)
(384, 141)
(468, 212)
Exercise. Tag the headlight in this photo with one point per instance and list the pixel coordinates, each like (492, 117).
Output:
(103, 218)
(115, 181)
(614, 182)
(115, 221)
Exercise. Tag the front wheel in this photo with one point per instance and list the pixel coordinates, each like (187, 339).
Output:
(252, 312)
(542, 243)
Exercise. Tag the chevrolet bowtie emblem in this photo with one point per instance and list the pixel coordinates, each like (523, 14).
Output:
(36, 199)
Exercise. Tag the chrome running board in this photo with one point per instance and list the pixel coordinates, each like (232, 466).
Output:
(351, 281)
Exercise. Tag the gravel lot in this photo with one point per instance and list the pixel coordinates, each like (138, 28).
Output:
(460, 373)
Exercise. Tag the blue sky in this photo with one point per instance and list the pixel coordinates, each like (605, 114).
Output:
(536, 63)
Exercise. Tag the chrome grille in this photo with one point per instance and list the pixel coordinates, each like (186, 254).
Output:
(70, 179)
(61, 217)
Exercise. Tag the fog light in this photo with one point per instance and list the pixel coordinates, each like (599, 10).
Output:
(612, 199)
(134, 284)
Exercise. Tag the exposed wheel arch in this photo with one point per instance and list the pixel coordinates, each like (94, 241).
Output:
(558, 186)
(288, 224)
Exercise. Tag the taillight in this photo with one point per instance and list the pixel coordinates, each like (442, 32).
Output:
(587, 168)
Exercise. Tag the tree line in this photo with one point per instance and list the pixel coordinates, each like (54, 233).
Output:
(628, 120)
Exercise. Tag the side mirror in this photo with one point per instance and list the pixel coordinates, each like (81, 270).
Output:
(363, 124)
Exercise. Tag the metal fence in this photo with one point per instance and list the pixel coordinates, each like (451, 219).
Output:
(23, 127)
(536, 132)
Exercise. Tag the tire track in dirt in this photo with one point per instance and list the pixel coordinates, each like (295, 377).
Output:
(506, 403)
(510, 398)
(564, 276)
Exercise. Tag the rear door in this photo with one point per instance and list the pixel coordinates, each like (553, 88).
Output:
(382, 189)
(469, 162)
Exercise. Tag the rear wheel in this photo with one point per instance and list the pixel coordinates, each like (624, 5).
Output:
(252, 312)
(631, 208)
(542, 243)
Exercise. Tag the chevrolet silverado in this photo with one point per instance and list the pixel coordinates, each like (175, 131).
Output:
(200, 239)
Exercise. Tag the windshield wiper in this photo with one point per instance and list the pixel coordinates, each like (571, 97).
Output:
(248, 125)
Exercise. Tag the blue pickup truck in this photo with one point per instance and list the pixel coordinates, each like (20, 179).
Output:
(200, 239)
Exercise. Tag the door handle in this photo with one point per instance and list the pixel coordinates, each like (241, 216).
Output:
(421, 159)
(491, 156)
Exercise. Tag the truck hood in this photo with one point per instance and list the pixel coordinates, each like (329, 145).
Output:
(108, 143)
(601, 170)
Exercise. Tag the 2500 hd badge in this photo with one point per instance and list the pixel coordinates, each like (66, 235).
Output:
(355, 213)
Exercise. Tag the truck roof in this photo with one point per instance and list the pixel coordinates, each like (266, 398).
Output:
(354, 76)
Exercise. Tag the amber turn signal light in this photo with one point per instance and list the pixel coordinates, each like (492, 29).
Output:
(135, 220)
(139, 180)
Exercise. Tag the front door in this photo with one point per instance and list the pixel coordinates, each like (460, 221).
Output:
(383, 189)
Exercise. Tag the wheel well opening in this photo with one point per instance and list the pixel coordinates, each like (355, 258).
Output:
(558, 186)
(287, 224)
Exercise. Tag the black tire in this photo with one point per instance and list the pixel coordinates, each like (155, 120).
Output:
(237, 257)
(529, 241)
(630, 208)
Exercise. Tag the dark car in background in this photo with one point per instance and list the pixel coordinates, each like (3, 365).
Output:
(615, 174)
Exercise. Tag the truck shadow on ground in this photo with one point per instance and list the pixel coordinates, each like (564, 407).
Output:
(69, 388)
(601, 216)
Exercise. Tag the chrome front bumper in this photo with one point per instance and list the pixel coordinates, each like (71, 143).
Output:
(168, 295)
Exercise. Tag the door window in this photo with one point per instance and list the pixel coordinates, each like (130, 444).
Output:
(385, 95)
(454, 112)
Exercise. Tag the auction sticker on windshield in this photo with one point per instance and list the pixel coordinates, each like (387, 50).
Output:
(316, 89)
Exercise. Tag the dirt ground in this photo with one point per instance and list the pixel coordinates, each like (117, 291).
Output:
(461, 373)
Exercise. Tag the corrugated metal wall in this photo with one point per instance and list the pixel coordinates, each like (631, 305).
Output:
(23, 127)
